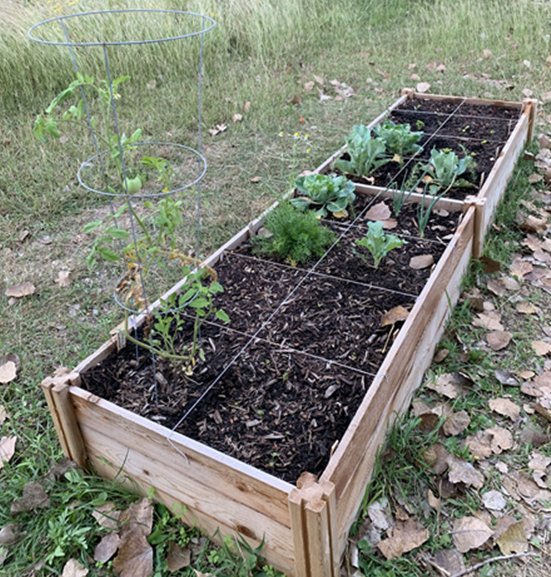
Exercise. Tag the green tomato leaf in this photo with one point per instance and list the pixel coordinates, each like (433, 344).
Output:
(108, 254)
(199, 303)
(221, 315)
(117, 232)
(92, 226)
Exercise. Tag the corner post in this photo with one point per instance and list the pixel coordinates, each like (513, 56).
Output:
(409, 92)
(479, 205)
(533, 104)
(312, 508)
(56, 391)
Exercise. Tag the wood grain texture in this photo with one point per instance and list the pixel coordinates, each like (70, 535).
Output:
(203, 500)
(496, 183)
(399, 377)
(228, 476)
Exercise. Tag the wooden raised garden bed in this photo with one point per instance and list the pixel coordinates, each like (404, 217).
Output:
(297, 392)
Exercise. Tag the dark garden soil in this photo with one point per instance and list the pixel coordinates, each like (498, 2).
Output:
(480, 131)
(283, 380)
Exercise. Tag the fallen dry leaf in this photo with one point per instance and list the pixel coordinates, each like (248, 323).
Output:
(505, 407)
(446, 385)
(20, 290)
(450, 560)
(513, 540)
(506, 377)
(494, 501)
(415, 77)
(441, 355)
(533, 178)
(309, 85)
(178, 557)
(378, 212)
(34, 497)
(10, 534)
(74, 568)
(499, 339)
(421, 261)
(490, 320)
(437, 457)
(246, 106)
(63, 278)
(237, 118)
(470, 533)
(378, 513)
(526, 308)
(520, 268)
(139, 516)
(107, 547)
(394, 315)
(539, 464)
(532, 224)
(486, 53)
(541, 348)
(461, 471)
(501, 440)
(497, 286)
(8, 372)
(3, 414)
(219, 128)
(456, 423)
(423, 87)
(406, 536)
(434, 501)
(318, 79)
(7, 449)
(479, 444)
(135, 556)
(107, 516)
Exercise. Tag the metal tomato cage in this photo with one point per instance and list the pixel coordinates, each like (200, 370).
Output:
(87, 30)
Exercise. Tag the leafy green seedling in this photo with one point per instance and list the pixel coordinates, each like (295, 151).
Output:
(398, 139)
(366, 153)
(378, 243)
(332, 195)
(445, 168)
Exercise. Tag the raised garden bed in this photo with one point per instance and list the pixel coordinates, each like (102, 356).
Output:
(303, 383)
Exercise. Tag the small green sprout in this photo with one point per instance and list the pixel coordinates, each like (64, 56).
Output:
(378, 243)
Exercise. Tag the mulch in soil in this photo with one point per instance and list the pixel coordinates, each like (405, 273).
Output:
(283, 380)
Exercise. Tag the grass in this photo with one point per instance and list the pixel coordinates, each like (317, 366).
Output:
(260, 53)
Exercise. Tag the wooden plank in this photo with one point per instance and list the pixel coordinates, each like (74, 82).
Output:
(69, 423)
(479, 205)
(474, 101)
(495, 185)
(100, 354)
(238, 481)
(400, 374)
(319, 547)
(531, 104)
(449, 204)
(47, 385)
(202, 499)
(298, 529)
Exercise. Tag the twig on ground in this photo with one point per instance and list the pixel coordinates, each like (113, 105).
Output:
(492, 560)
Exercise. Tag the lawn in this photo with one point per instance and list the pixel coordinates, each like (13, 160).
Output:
(272, 69)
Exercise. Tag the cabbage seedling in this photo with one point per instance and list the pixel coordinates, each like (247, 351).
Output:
(378, 243)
